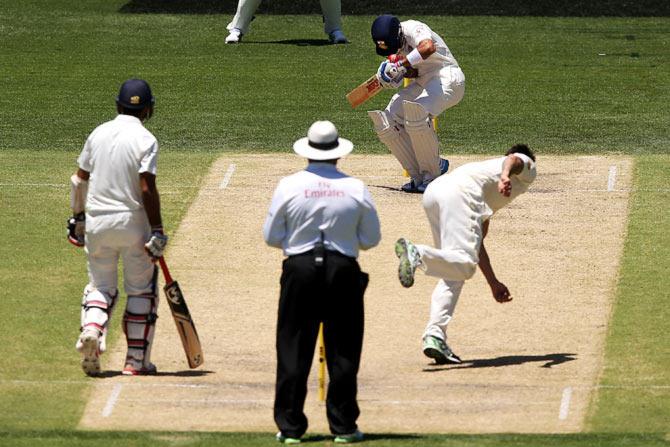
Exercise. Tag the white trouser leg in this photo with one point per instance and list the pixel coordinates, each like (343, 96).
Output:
(442, 305)
(456, 217)
(140, 276)
(332, 14)
(244, 14)
(419, 127)
(397, 141)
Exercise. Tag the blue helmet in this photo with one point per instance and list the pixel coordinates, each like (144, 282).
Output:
(135, 94)
(386, 34)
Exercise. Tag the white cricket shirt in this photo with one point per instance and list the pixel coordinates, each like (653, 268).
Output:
(321, 198)
(115, 154)
(414, 32)
(486, 174)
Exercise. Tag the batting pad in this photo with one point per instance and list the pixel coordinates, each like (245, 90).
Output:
(397, 141)
(424, 140)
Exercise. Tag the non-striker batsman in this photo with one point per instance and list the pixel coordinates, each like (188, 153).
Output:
(405, 126)
(116, 214)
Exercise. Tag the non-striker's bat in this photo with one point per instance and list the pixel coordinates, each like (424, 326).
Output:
(182, 318)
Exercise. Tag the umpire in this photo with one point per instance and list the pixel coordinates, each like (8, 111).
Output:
(320, 217)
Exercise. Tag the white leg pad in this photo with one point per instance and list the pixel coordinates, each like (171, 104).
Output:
(96, 308)
(397, 141)
(419, 127)
(139, 323)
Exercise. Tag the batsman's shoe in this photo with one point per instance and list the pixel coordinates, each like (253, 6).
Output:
(439, 351)
(286, 440)
(89, 346)
(337, 37)
(422, 187)
(356, 436)
(235, 36)
(410, 187)
(137, 368)
(444, 166)
(410, 259)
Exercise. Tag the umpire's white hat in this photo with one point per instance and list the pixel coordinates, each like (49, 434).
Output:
(322, 143)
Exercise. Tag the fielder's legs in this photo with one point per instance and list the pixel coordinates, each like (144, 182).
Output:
(443, 303)
(332, 20)
(240, 23)
(343, 321)
(297, 332)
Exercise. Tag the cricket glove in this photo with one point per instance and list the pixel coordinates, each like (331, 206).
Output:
(391, 74)
(76, 229)
(156, 245)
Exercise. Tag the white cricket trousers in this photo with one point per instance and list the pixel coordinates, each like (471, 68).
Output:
(456, 212)
(113, 235)
(331, 9)
(436, 93)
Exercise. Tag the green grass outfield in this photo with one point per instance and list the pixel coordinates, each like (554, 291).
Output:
(539, 80)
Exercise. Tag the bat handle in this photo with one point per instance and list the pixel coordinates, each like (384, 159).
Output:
(166, 272)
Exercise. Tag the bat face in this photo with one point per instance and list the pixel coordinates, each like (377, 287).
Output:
(365, 91)
(185, 327)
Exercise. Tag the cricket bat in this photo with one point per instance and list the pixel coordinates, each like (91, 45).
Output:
(365, 91)
(182, 318)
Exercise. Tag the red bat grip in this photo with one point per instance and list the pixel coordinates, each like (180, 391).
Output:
(166, 272)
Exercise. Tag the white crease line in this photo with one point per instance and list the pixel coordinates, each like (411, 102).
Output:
(226, 178)
(111, 401)
(611, 178)
(43, 185)
(565, 404)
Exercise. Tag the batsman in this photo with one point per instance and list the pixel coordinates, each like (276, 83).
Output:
(116, 214)
(405, 126)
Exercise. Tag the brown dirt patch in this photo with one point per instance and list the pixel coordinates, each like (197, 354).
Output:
(556, 247)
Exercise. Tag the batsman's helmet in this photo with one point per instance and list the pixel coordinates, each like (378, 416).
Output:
(386, 34)
(135, 94)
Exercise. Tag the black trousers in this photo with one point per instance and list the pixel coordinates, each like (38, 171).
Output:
(311, 294)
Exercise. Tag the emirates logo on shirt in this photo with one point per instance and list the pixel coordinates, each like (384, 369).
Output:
(323, 189)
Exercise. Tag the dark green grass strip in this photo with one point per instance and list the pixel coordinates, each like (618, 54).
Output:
(563, 85)
(131, 439)
(636, 377)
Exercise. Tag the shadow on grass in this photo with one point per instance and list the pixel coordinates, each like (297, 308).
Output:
(545, 8)
(296, 42)
(547, 360)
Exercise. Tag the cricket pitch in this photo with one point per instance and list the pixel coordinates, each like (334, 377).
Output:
(531, 365)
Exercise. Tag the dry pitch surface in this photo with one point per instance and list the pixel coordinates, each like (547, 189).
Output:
(530, 365)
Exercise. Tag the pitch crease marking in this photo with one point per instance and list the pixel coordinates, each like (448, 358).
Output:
(227, 176)
(611, 179)
(565, 404)
(111, 401)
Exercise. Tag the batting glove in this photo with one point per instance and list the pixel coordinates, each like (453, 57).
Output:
(156, 245)
(391, 74)
(76, 229)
